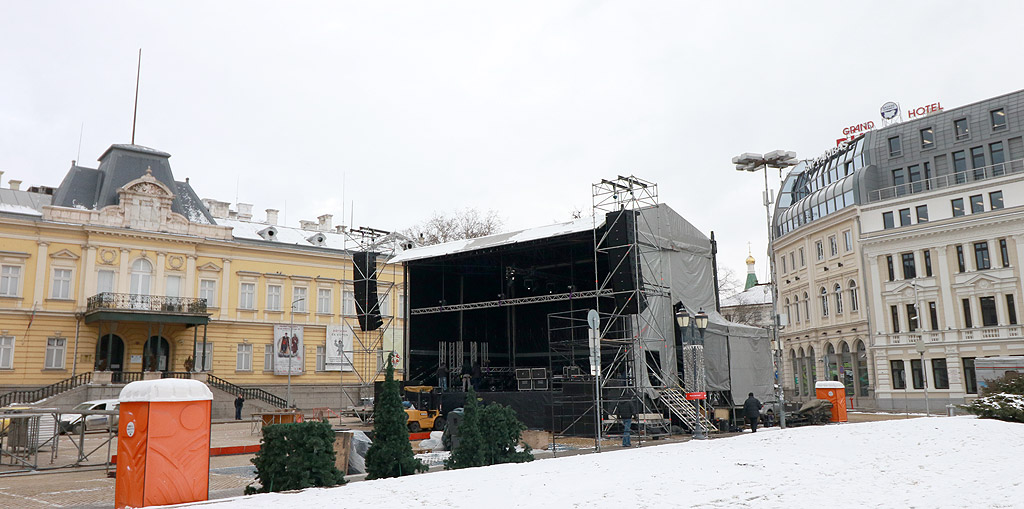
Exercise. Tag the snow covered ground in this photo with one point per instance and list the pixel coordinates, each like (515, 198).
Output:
(924, 462)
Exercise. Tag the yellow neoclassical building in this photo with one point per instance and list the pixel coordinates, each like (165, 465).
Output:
(122, 273)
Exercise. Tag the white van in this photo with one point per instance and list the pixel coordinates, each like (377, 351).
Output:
(73, 422)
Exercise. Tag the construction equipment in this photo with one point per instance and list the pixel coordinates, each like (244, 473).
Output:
(425, 411)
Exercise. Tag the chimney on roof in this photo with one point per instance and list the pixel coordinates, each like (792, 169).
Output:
(340, 228)
(272, 216)
(1, 174)
(307, 225)
(325, 222)
(245, 211)
(15, 184)
(218, 209)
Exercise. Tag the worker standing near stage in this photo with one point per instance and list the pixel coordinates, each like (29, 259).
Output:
(238, 407)
(626, 413)
(752, 411)
(442, 376)
(466, 375)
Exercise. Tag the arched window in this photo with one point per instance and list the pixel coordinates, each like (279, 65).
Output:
(838, 290)
(142, 275)
(846, 367)
(812, 370)
(831, 366)
(789, 311)
(854, 306)
(807, 306)
(802, 388)
(863, 383)
(794, 364)
(824, 301)
(796, 307)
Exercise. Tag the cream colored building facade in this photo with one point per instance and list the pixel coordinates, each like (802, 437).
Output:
(150, 284)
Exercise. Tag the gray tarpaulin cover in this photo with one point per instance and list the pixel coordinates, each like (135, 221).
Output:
(737, 357)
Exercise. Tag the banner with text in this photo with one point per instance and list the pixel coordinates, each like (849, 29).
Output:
(288, 350)
(339, 350)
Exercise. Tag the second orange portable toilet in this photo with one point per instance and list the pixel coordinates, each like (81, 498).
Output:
(834, 392)
(163, 443)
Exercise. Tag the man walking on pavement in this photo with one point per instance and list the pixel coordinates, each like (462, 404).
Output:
(752, 411)
(626, 413)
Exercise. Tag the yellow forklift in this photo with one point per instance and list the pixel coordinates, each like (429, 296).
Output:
(425, 413)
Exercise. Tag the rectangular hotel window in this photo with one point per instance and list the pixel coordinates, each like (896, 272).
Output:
(981, 258)
(821, 250)
(977, 204)
(105, 281)
(960, 166)
(989, 317)
(888, 221)
(917, 373)
(909, 268)
(928, 263)
(998, 119)
(895, 312)
(970, 377)
(848, 240)
(895, 149)
(55, 348)
(204, 355)
(348, 303)
(299, 298)
(247, 296)
(922, 213)
(173, 286)
(940, 375)
(892, 272)
(321, 357)
(792, 260)
(998, 158)
(961, 129)
(6, 352)
(401, 308)
(927, 138)
(783, 260)
(933, 314)
(960, 264)
(208, 291)
(978, 162)
(912, 324)
(833, 246)
(61, 284)
(803, 262)
(1011, 309)
(904, 217)
(958, 207)
(1004, 254)
(968, 320)
(10, 278)
(995, 200)
(899, 374)
(268, 357)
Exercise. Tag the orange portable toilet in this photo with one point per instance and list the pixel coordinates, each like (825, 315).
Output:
(834, 392)
(163, 443)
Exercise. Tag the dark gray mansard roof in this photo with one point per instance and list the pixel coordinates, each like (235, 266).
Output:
(97, 188)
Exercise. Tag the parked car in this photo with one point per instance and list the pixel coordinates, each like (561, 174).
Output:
(73, 422)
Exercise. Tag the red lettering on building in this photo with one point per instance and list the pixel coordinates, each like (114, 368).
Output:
(924, 110)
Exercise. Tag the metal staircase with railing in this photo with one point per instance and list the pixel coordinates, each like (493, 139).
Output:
(33, 395)
(675, 400)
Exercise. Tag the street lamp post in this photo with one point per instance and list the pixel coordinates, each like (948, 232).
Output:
(686, 325)
(753, 162)
(919, 346)
(291, 331)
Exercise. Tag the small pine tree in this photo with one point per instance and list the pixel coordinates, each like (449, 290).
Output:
(502, 432)
(390, 455)
(296, 456)
(470, 451)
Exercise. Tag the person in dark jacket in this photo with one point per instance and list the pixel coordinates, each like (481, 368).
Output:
(752, 411)
(238, 407)
(626, 413)
(442, 376)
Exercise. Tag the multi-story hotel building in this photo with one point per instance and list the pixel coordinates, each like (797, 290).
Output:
(122, 272)
(912, 241)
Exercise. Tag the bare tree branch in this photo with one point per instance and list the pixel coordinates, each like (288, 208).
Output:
(461, 224)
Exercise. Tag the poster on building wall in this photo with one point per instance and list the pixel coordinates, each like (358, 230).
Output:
(288, 349)
(394, 344)
(339, 350)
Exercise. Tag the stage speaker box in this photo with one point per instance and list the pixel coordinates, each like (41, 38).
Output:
(365, 290)
(536, 373)
(540, 384)
(623, 261)
(525, 385)
(523, 374)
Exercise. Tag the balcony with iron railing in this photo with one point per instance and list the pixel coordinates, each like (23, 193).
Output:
(950, 180)
(1003, 332)
(108, 305)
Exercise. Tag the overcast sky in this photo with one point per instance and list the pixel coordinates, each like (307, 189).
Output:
(417, 107)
